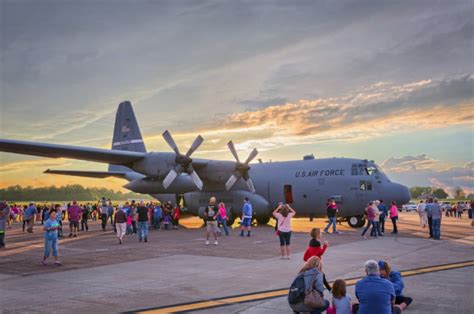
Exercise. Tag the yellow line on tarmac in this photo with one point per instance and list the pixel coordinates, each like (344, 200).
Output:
(202, 305)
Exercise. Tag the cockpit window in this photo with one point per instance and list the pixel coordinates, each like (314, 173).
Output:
(371, 170)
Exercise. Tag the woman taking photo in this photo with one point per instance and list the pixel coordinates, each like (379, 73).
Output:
(283, 215)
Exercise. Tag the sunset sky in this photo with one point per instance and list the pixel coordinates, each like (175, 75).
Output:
(390, 81)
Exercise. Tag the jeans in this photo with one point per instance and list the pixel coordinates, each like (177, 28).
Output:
(436, 229)
(222, 221)
(375, 231)
(103, 217)
(369, 223)
(394, 222)
(51, 244)
(332, 221)
(84, 224)
(430, 225)
(382, 223)
(142, 229)
(156, 222)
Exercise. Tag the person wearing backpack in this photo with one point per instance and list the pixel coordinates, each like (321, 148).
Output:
(283, 215)
(307, 289)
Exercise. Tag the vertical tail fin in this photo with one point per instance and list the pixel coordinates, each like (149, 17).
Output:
(127, 135)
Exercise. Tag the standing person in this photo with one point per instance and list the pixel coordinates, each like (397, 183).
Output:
(369, 212)
(375, 294)
(448, 209)
(460, 209)
(222, 218)
(312, 273)
(428, 207)
(376, 224)
(4, 216)
(74, 211)
(396, 279)
(210, 215)
(133, 210)
(341, 300)
(104, 208)
(85, 216)
(283, 214)
(394, 216)
(470, 212)
(120, 222)
(383, 215)
(50, 228)
(247, 212)
(436, 214)
(142, 219)
(110, 211)
(331, 211)
(13, 215)
(157, 214)
(25, 219)
(175, 215)
(30, 213)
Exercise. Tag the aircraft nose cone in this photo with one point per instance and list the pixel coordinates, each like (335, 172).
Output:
(402, 195)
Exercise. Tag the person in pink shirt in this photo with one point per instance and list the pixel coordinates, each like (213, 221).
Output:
(283, 214)
(222, 219)
(74, 211)
(394, 216)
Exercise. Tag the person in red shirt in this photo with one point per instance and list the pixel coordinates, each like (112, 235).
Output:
(315, 248)
(176, 214)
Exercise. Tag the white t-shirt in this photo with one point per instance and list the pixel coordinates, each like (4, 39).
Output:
(284, 223)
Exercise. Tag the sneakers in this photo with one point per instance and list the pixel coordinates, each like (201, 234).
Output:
(43, 262)
(75, 236)
(325, 232)
(216, 243)
(58, 263)
(207, 242)
(120, 241)
(146, 239)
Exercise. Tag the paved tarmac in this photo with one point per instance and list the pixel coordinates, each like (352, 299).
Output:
(175, 267)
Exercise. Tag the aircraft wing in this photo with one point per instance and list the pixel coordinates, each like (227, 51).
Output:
(88, 174)
(74, 152)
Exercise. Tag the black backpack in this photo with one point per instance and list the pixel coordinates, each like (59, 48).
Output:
(297, 290)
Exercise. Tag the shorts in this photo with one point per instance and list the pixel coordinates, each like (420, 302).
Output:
(284, 238)
(213, 225)
(74, 224)
(246, 222)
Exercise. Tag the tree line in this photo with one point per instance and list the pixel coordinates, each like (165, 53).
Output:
(417, 191)
(64, 193)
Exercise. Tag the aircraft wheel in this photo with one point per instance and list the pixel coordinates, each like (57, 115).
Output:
(263, 220)
(356, 221)
(231, 220)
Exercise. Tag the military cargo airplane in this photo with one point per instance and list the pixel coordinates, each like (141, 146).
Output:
(305, 184)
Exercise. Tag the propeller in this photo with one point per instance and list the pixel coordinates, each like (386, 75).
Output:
(183, 162)
(242, 169)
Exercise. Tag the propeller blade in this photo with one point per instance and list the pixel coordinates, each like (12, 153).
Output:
(169, 178)
(197, 181)
(252, 155)
(233, 151)
(230, 182)
(169, 139)
(197, 142)
(250, 185)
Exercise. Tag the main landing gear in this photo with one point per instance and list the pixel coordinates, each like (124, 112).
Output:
(356, 221)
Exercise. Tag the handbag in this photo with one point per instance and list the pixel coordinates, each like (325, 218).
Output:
(313, 297)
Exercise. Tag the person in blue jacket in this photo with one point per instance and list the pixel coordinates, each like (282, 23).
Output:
(397, 281)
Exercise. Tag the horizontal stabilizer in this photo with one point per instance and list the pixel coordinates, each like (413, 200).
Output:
(89, 174)
(67, 151)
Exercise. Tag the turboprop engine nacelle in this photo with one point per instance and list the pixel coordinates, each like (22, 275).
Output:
(197, 202)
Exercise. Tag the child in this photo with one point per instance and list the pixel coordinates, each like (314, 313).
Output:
(129, 225)
(315, 249)
(341, 301)
(51, 227)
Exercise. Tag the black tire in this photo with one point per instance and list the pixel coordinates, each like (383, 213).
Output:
(356, 221)
(231, 220)
(263, 220)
